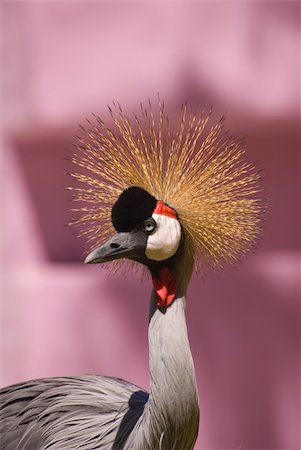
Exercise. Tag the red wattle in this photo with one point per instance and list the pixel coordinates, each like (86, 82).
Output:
(165, 287)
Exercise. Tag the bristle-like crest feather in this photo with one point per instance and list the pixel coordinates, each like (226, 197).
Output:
(195, 168)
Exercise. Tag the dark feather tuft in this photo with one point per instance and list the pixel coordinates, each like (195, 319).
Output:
(133, 207)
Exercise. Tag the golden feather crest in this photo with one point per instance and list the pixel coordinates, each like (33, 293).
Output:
(195, 168)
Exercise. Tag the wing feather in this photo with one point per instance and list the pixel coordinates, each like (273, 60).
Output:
(85, 412)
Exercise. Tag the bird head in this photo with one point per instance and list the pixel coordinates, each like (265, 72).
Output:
(164, 196)
(148, 232)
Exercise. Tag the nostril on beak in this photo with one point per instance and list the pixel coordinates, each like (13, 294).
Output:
(114, 245)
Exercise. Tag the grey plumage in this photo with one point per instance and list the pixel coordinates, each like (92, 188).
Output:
(69, 413)
(94, 412)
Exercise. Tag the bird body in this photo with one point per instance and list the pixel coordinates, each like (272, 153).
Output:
(168, 199)
(68, 413)
(95, 412)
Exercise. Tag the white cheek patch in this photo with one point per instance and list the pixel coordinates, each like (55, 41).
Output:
(165, 240)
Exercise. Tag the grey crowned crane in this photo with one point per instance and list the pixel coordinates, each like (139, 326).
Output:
(168, 199)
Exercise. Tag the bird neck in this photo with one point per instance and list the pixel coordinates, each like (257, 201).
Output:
(173, 402)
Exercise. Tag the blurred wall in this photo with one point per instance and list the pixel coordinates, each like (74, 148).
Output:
(63, 60)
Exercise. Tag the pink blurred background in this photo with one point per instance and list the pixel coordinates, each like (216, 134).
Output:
(62, 61)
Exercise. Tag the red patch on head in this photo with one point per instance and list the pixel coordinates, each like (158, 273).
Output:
(164, 210)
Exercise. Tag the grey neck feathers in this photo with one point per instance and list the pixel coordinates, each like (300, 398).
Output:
(171, 415)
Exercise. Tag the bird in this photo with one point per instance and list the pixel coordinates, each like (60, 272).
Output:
(171, 199)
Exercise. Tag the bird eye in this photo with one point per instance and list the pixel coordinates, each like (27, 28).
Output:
(149, 225)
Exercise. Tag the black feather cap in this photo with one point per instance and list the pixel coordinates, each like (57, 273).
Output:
(133, 207)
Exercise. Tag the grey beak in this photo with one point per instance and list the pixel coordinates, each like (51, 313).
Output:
(122, 245)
